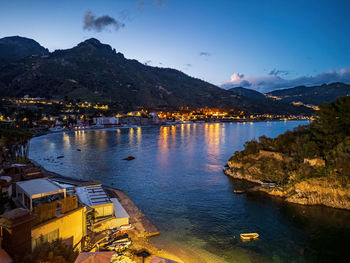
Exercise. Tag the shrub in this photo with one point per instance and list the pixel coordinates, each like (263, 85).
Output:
(54, 252)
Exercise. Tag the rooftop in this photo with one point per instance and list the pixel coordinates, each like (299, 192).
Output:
(92, 257)
(93, 195)
(40, 187)
(15, 213)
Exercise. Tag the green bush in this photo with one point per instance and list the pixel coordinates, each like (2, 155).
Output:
(54, 252)
(328, 137)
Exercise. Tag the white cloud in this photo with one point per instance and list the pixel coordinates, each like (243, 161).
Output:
(273, 81)
(236, 77)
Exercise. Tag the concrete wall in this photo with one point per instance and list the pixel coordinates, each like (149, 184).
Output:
(71, 227)
(104, 210)
(110, 223)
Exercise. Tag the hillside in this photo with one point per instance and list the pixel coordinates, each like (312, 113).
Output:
(315, 95)
(310, 165)
(15, 48)
(249, 93)
(95, 72)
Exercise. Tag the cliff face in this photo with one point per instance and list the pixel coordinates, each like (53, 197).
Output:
(320, 191)
(325, 191)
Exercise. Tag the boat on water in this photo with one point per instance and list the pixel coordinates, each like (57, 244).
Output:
(249, 236)
(56, 129)
(239, 191)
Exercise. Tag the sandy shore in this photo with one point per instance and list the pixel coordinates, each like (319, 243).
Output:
(186, 253)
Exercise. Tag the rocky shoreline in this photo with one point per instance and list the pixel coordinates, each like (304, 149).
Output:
(313, 191)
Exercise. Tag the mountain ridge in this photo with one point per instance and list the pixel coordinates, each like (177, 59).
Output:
(315, 95)
(14, 48)
(92, 71)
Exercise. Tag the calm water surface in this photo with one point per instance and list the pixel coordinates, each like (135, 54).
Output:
(177, 180)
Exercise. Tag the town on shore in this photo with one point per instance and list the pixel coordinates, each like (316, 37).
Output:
(55, 115)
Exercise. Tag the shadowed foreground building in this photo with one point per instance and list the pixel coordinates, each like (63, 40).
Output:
(42, 216)
(47, 212)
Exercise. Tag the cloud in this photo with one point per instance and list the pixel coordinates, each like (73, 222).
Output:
(100, 23)
(188, 65)
(276, 72)
(159, 2)
(236, 77)
(143, 3)
(204, 54)
(274, 82)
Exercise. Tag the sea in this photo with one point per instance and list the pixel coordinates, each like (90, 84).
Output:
(177, 180)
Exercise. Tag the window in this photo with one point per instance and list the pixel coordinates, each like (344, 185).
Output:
(26, 201)
(49, 237)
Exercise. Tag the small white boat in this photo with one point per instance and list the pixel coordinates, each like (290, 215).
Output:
(56, 129)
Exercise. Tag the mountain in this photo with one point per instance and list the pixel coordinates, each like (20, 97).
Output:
(15, 48)
(315, 95)
(92, 71)
(249, 93)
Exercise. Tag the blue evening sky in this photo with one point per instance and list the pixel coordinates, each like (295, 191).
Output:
(252, 37)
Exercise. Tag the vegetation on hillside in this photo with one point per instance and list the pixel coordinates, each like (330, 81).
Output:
(95, 72)
(15, 48)
(14, 145)
(320, 149)
(315, 95)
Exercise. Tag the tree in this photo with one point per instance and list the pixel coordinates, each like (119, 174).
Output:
(54, 252)
(333, 123)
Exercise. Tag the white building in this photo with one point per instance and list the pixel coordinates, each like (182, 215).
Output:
(107, 121)
(35, 192)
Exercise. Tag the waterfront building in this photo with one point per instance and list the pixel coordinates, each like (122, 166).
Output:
(46, 213)
(108, 214)
(33, 193)
(106, 122)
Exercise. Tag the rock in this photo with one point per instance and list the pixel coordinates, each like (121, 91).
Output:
(233, 164)
(315, 162)
(237, 175)
(61, 156)
(78, 150)
(270, 154)
(129, 158)
(320, 191)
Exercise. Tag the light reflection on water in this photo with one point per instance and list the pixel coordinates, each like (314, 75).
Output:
(177, 180)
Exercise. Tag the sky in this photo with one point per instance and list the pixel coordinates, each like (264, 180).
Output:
(258, 44)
